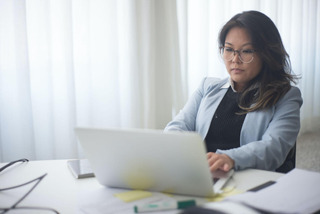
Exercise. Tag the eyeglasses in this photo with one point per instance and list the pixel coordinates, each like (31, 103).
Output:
(15, 206)
(12, 163)
(245, 55)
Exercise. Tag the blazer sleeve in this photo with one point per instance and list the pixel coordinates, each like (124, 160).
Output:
(185, 120)
(188, 118)
(276, 140)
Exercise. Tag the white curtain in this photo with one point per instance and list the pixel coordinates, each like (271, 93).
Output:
(124, 63)
(97, 63)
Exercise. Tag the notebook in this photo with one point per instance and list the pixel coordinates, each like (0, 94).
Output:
(153, 160)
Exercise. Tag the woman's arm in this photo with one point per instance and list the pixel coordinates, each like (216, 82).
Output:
(270, 151)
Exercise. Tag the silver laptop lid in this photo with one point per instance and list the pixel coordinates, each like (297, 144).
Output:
(171, 162)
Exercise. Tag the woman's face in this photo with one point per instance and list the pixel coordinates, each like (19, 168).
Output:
(241, 73)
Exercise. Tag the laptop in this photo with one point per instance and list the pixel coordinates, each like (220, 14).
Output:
(153, 160)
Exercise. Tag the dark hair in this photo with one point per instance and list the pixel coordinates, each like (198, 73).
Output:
(275, 78)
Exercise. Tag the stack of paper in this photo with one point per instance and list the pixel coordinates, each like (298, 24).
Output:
(296, 192)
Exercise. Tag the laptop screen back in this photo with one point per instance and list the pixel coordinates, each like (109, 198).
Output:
(171, 162)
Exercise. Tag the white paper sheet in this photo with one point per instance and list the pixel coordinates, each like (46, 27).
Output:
(296, 192)
(102, 200)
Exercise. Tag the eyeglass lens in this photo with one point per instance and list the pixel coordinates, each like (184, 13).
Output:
(246, 55)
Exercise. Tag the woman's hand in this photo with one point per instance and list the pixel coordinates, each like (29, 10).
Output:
(219, 161)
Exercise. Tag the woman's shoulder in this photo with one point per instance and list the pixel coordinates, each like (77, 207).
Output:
(293, 93)
(210, 83)
(295, 90)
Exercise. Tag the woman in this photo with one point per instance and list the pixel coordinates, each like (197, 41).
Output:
(252, 118)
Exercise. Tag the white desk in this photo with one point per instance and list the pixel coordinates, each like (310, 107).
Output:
(60, 190)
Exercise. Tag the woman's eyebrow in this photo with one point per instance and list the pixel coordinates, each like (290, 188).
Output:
(248, 43)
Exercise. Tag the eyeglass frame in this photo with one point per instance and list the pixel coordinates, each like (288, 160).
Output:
(15, 205)
(239, 54)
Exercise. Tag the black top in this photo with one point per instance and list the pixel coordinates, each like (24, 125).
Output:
(225, 128)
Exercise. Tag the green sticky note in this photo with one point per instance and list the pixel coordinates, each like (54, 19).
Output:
(132, 195)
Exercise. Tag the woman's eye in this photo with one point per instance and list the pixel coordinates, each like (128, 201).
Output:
(248, 51)
(228, 49)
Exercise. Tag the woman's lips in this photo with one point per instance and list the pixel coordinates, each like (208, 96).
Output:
(236, 70)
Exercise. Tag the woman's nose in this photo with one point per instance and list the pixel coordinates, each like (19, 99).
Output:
(236, 57)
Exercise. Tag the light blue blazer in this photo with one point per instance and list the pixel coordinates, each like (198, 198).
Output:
(266, 136)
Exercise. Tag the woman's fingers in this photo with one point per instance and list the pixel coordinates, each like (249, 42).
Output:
(219, 161)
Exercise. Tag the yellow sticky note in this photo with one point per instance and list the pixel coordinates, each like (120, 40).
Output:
(228, 191)
(132, 195)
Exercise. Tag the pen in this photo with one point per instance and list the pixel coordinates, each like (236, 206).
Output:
(164, 205)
